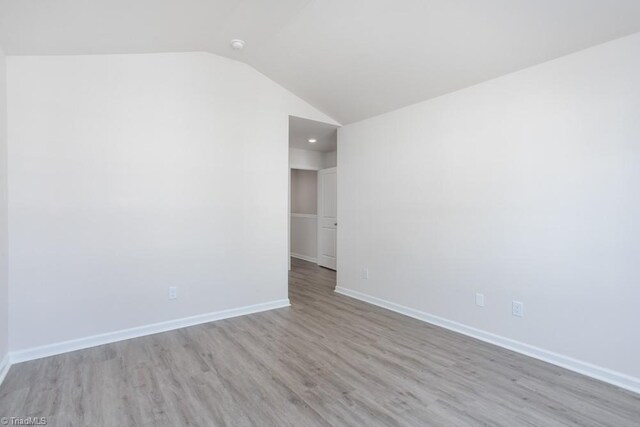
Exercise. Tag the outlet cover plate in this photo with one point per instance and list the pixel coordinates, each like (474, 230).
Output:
(517, 308)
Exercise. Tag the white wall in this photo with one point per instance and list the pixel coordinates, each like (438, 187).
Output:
(311, 160)
(331, 159)
(132, 173)
(304, 209)
(304, 191)
(305, 159)
(526, 187)
(304, 240)
(4, 286)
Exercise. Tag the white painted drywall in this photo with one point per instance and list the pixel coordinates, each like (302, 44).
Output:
(526, 187)
(304, 191)
(304, 208)
(330, 159)
(311, 160)
(4, 284)
(132, 173)
(306, 159)
(304, 240)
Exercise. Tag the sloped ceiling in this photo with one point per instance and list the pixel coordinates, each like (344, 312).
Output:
(352, 59)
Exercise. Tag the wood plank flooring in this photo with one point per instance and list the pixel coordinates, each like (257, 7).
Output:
(327, 360)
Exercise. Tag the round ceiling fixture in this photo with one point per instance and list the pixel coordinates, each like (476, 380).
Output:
(312, 140)
(237, 44)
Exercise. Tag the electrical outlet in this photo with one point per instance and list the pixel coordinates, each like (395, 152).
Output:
(365, 273)
(173, 292)
(517, 308)
(480, 300)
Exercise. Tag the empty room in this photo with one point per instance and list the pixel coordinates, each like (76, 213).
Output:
(320, 212)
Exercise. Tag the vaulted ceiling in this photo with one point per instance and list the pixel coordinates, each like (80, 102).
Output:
(352, 59)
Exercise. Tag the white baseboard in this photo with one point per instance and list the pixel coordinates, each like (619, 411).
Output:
(304, 257)
(95, 340)
(603, 374)
(5, 364)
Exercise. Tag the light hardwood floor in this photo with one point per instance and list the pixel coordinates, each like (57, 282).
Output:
(327, 360)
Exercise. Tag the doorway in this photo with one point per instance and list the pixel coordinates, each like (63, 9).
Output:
(313, 175)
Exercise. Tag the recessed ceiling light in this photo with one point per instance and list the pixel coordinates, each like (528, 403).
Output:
(237, 44)
(312, 140)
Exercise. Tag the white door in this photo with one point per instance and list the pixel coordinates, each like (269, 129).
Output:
(327, 217)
